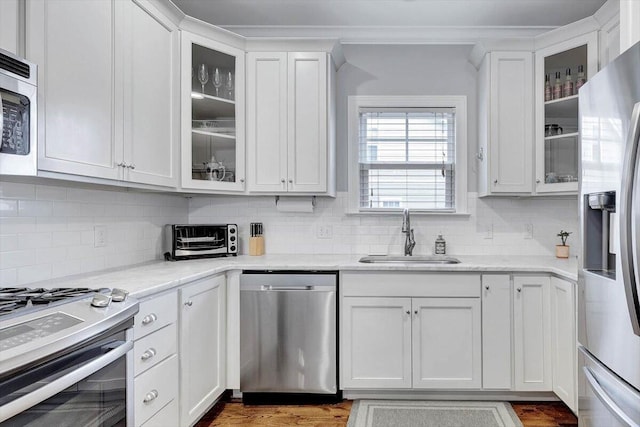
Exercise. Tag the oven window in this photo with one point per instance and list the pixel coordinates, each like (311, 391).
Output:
(15, 123)
(97, 400)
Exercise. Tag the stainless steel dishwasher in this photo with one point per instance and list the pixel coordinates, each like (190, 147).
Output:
(288, 337)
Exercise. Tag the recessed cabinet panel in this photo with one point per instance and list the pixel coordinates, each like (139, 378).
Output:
(77, 130)
(563, 341)
(202, 346)
(532, 333)
(151, 98)
(267, 121)
(496, 332)
(446, 343)
(376, 343)
(308, 122)
(511, 123)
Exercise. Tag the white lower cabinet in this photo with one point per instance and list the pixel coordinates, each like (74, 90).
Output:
(417, 337)
(376, 343)
(532, 341)
(563, 341)
(446, 343)
(155, 364)
(497, 328)
(202, 346)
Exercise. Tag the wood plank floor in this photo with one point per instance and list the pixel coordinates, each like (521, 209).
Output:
(547, 414)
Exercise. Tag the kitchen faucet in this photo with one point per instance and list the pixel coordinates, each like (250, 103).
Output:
(409, 241)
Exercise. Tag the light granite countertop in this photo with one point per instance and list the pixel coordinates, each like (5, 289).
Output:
(151, 278)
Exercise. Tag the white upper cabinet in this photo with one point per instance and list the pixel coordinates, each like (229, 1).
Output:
(78, 132)
(151, 93)
(10, 26)
(505, 123)
(290, 135)
(106, 106)
(556, 132)
(212, 115)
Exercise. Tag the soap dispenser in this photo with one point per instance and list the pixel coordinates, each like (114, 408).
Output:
(441, 245)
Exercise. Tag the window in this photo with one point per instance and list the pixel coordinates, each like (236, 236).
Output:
(407, 152)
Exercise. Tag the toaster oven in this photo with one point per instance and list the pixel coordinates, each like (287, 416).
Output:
(189, 241)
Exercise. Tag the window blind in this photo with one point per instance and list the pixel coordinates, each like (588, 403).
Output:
(407, 158)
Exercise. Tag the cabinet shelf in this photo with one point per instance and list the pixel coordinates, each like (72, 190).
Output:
(214, 134)
(204, 106)
(562, 136)
(562, 108)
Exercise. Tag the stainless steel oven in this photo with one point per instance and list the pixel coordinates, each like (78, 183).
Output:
(18, 92)
(69, 363)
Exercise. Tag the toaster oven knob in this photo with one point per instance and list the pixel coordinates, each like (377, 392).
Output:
(233, 248)
(232, 238)
(232, 230)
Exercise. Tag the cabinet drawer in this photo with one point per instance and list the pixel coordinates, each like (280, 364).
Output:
(155, 388)
(155, 313)
(154, 348)
(383, 284)
(167, 416)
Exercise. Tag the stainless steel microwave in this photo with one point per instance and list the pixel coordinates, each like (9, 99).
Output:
(18, 101)
(189, 241)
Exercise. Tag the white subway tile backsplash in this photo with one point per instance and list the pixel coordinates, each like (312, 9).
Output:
(363, 234)
(53, 232)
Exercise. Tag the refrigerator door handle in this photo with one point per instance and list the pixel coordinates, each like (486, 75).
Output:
(628, 243)
(606, 400)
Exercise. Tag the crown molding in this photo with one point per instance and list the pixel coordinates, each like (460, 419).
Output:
(608, 12)
(390, 34)
(204, 29)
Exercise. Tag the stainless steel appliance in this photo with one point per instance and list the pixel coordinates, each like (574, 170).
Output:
(18, 92)
(609, 264)
(64, 357)
(288, 337)
(189, 241)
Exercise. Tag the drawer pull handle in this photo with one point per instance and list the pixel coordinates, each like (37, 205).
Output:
(188, 303)
(148, 354)
(151, 396)
(149, 318)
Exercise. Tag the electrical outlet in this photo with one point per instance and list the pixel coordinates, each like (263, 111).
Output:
(528, 231)
(324, 232)
(488, 231)
(99, 236)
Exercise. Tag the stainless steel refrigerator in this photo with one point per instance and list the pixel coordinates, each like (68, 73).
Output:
(609, 263)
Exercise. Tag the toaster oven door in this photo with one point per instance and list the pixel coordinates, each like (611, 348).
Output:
(18, 152)
(200, 241)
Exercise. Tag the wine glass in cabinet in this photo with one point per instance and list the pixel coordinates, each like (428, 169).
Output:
(212, 115)
(560, 70)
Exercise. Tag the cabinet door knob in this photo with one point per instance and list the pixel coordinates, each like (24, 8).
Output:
(148, 354)
(189, 303)
(120, 165)
(487, 287)
(149, 318)
(415, 312)
(151, 396)
(519, 289)
(242, 180)
(495, 182)
(290, 181)
(537, 181)
(408, 311)
(282, 180)
(131, 166)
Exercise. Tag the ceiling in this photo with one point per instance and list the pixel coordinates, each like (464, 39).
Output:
(335, 17)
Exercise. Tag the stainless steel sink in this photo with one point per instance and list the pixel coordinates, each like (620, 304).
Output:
(428, 259)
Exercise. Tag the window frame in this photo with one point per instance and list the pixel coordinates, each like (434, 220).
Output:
(357, 102)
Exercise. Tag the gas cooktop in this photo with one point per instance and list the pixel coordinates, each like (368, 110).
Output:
(18, 300)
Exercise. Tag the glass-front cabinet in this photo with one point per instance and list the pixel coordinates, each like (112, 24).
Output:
(561, 70)
(212, 115)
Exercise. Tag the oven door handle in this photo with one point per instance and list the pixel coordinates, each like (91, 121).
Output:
(27, 401)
